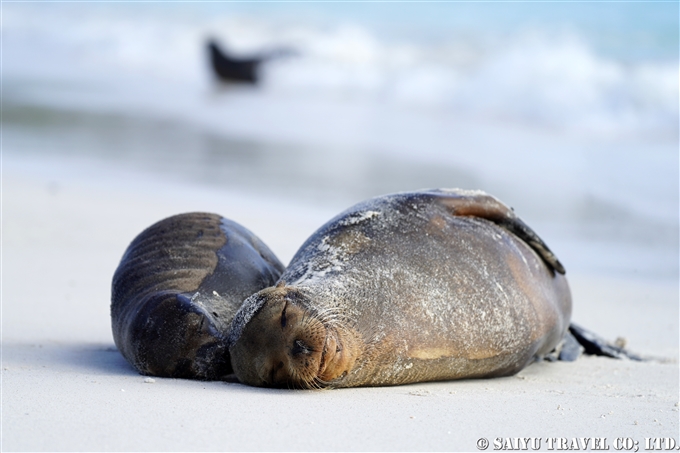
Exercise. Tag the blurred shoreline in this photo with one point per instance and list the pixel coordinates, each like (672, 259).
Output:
(605, 236)
(545, 64)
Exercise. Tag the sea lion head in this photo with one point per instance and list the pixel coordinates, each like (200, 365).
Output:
(279, 340)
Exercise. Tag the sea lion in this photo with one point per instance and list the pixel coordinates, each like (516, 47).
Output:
(228, 68)
(403, 288)
(177, 288)
(232, 69)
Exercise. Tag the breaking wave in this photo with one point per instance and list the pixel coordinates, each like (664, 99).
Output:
(545, 78)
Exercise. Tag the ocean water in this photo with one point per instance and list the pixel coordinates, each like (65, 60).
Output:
(566, 111)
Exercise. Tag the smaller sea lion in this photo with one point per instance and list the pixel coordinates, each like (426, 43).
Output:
(409, 287)
(177, 288)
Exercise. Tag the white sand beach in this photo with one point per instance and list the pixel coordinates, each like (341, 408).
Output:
(65, 387)
(111, 121)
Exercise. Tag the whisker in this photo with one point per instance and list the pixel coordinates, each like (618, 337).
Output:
(321, 384)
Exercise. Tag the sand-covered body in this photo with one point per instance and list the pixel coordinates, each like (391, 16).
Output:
(176, 291)
(411, 287)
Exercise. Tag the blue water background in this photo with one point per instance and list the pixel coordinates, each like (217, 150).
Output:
(629, 31)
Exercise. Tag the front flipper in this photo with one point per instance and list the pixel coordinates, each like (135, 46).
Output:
(475, 203)
(596, 345)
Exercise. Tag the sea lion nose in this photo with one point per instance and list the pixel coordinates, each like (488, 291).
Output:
(275, 370)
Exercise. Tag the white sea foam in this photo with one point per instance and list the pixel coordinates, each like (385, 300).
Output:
(553, 80)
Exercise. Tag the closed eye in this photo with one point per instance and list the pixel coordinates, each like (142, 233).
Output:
(283, 316)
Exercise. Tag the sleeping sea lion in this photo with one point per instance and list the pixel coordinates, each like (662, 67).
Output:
(177, 288)
(409, 287)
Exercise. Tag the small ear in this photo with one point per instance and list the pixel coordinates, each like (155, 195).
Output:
(281, 284)
(475, 203)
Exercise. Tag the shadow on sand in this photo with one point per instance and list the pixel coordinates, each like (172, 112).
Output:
(91, 358)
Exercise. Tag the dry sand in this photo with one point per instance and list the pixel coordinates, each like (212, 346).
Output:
(65, 386)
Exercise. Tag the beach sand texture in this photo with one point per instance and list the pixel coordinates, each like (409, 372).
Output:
(568, 112)
(66, 387)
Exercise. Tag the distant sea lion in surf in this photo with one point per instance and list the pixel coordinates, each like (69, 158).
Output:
(410, 287)
(177, 288)
(232, 69)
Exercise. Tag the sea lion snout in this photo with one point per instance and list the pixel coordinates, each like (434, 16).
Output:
(282, 345)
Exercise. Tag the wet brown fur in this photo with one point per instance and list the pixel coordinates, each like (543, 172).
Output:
(430, 285)
(177, 288)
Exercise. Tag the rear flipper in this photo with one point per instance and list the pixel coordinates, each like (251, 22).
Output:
(595, 345)
(578, 340)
